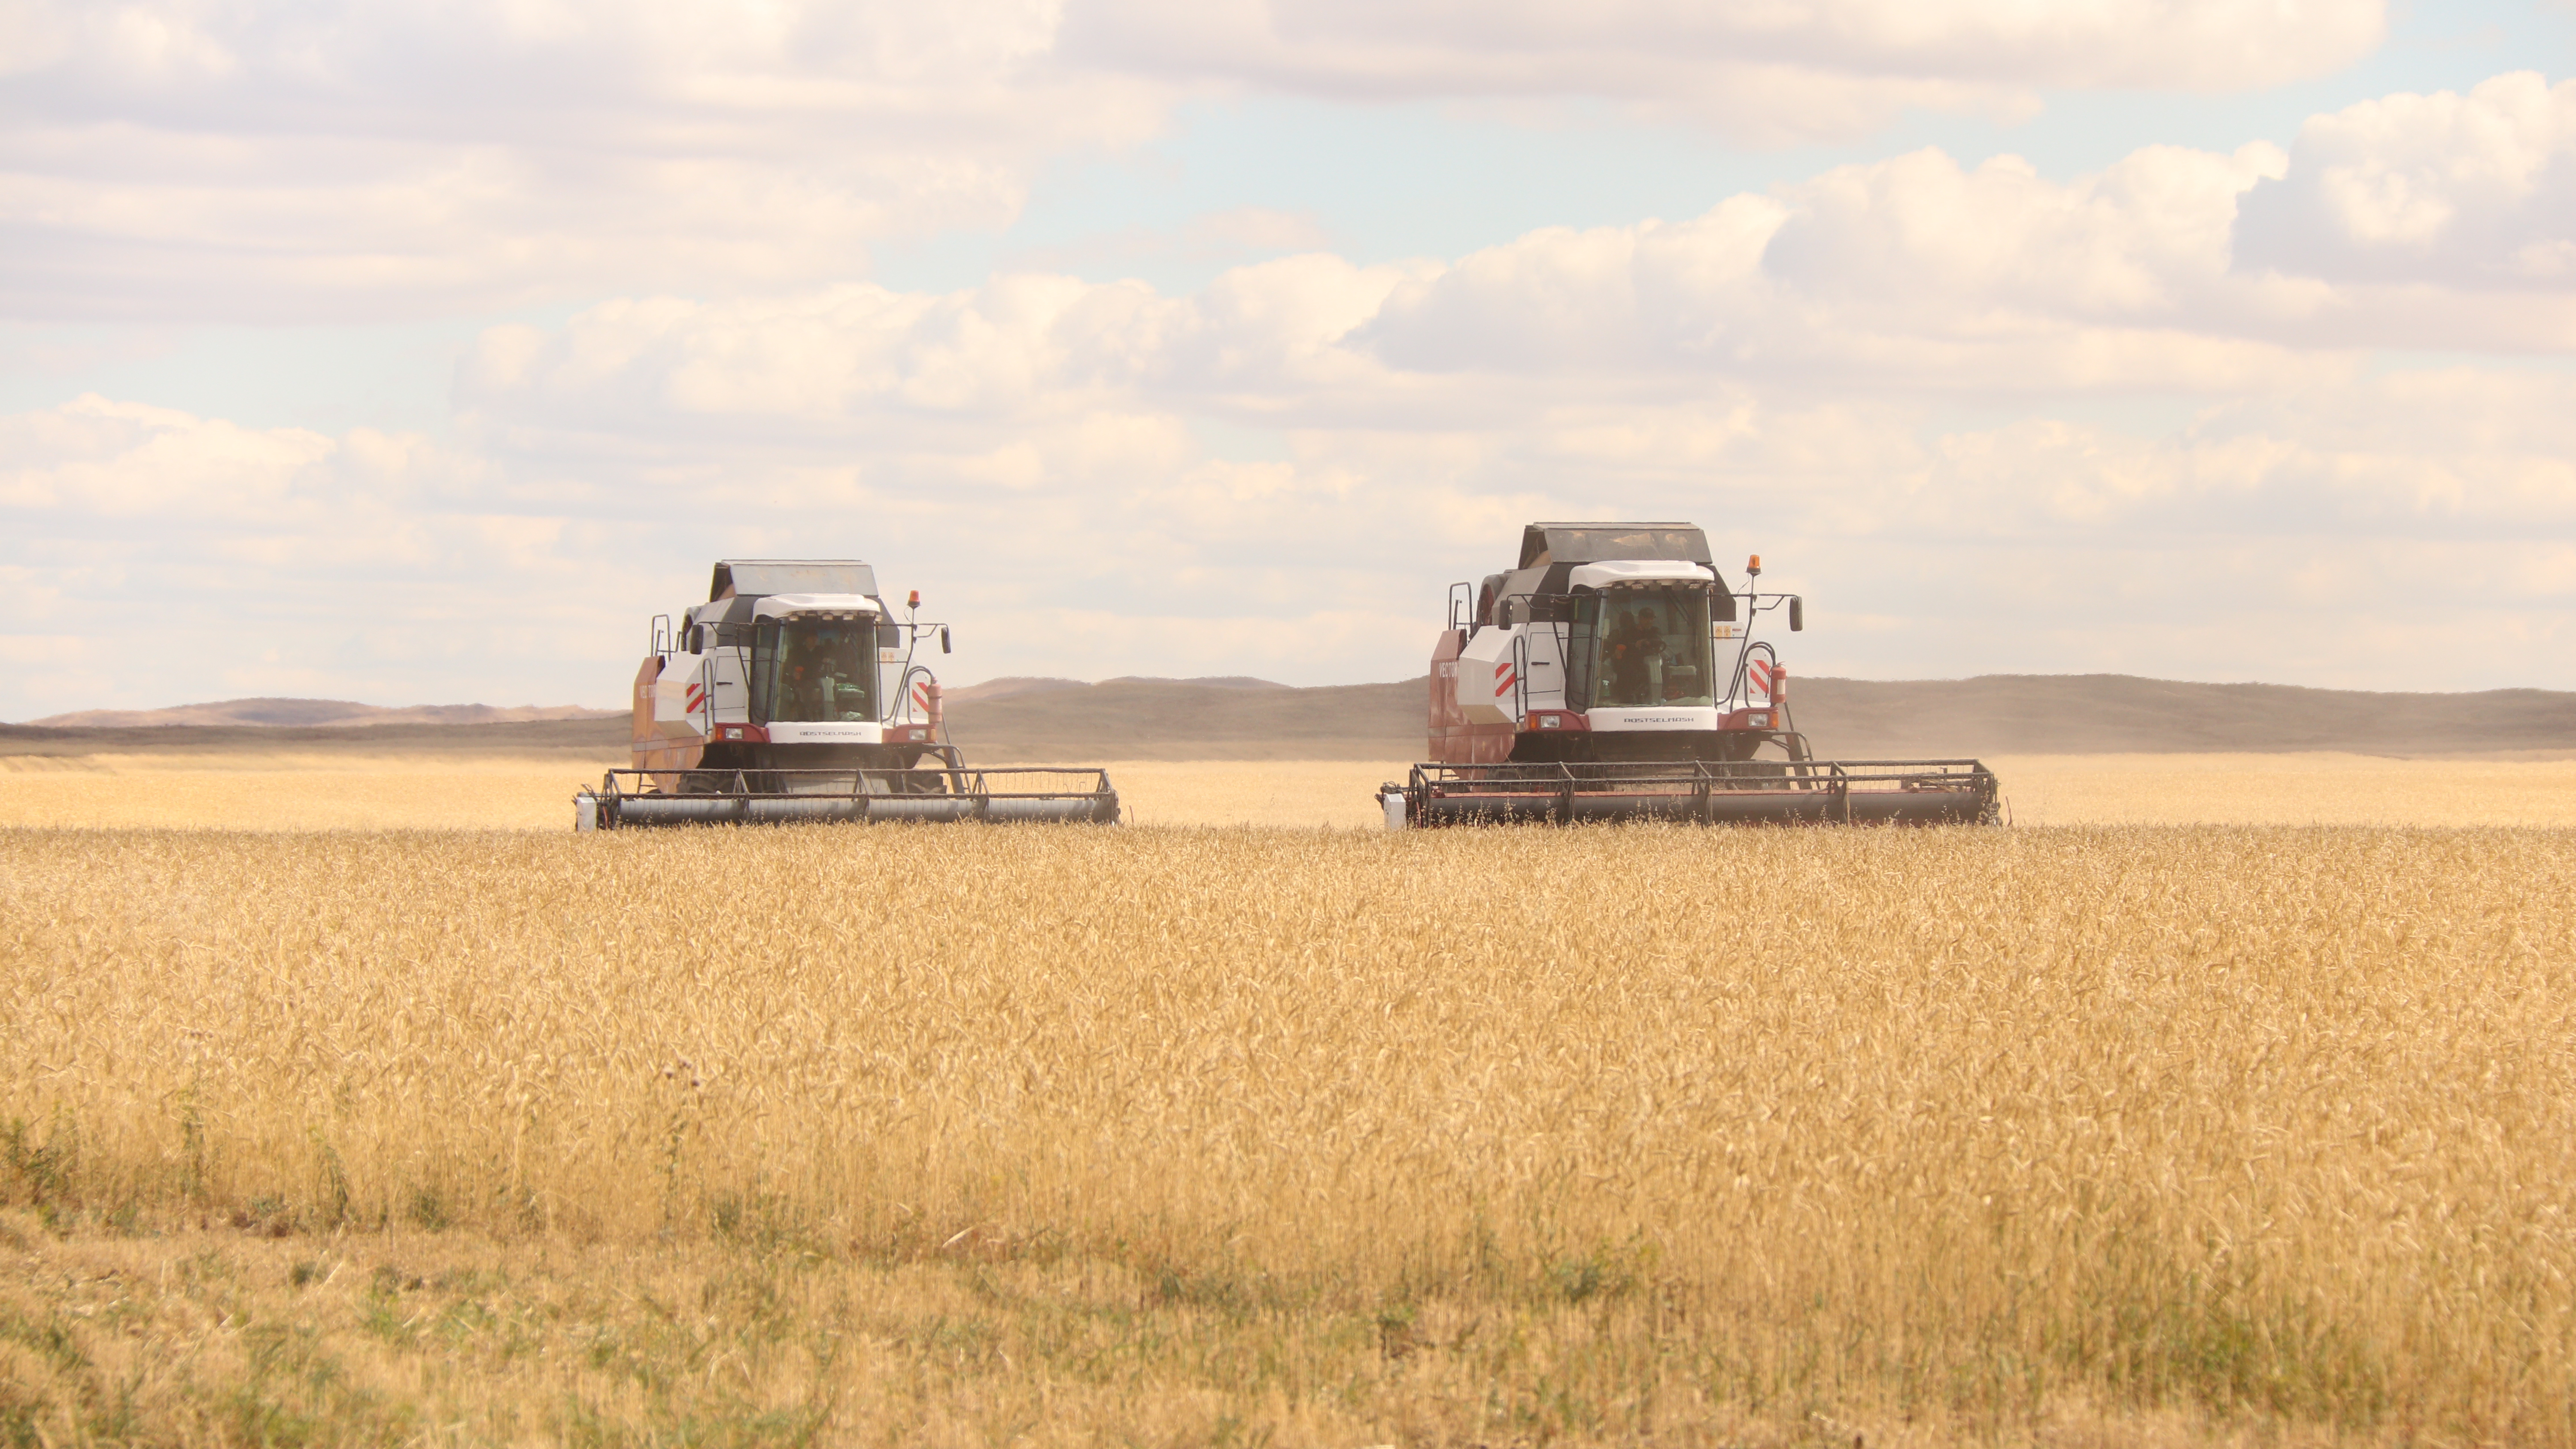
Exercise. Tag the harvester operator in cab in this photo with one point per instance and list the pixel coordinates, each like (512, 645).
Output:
(1635, 647)
(830, 681)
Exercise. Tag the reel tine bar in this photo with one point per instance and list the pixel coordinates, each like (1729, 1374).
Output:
(1846, 792)
(627, 799)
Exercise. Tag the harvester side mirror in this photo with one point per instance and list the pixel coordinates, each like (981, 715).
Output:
(1797, 613)
(943, 638)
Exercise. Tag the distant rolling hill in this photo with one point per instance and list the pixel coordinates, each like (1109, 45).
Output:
(326, 726)
(2055, 714)
(2000, 714)
(1026, 720)
(1039, 684)
(308, 713)
(1990, 715)
(1190, 719)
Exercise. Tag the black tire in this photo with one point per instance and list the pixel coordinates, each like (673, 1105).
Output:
(914, 780)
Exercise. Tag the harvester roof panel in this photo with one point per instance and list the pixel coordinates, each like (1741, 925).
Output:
(1556, 543)
(1661, 572)
(778, 606)
(755, 577)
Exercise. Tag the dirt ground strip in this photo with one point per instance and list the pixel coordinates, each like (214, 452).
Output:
(256, 1332)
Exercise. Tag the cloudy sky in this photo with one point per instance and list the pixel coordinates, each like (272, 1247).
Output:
(418, 353)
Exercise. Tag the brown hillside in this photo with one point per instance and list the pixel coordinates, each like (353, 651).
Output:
(309, 713)
(584, 740)
(2008, 714)
(1846, 718)
(1170, 719)
(2051, 714)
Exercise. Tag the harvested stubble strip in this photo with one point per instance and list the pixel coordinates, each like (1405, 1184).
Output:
(2269, 1119)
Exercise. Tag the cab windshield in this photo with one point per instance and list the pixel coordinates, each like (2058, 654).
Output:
(1654, 647)
(815, 670)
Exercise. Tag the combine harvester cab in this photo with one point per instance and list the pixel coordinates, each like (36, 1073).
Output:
(1614, 676)
(793, 694)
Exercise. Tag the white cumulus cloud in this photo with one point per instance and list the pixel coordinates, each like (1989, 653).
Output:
(332, 159)
(1983, 418)
(171, 551)
(1793, 69)
(2451, 190)
(173, 159)
(1912, 275)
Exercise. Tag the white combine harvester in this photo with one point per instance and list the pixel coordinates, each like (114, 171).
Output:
(794, 694)
(1614, 675)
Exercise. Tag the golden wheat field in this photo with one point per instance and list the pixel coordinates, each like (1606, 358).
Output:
(283, 790)
(286, 791)
(2066, 1134)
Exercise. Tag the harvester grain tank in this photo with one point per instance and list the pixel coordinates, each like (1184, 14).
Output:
(795, 693)
(1614, 675)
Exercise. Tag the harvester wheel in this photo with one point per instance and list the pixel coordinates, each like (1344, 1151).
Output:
(914, 780)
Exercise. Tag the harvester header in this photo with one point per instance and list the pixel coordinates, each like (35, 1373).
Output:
(1615, 674)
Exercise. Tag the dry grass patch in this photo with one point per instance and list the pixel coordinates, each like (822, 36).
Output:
(1587, 1136)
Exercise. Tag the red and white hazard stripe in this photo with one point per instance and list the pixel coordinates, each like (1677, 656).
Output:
(1504, 679)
